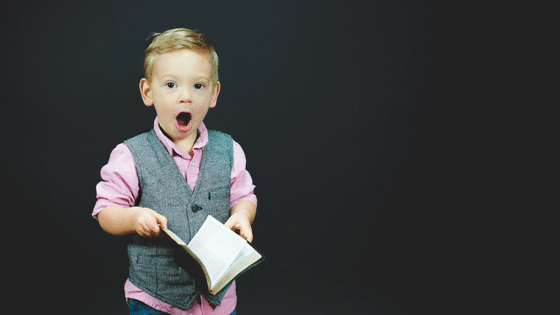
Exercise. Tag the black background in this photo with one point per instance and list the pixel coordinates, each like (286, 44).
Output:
(345, 110)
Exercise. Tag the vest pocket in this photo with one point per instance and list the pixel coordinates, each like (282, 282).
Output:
(150, 270)
(155, 261)
(220, 204)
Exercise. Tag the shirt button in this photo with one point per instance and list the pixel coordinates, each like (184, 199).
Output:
(192, 163)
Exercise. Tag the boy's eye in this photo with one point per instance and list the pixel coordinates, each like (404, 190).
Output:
(170, 85)
(198, 86)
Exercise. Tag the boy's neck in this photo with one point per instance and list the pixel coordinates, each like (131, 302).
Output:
(186, 145)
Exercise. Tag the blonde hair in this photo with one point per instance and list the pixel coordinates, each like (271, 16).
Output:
(175, 39)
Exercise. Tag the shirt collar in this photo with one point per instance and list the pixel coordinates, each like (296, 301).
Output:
(172, 147)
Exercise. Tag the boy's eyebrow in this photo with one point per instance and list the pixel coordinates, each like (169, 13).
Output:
(175, 77)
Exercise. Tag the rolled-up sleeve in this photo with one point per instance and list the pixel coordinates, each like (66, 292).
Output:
(119, 185)
(242, 187)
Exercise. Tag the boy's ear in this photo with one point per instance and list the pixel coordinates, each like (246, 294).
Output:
(215, 94)
(146, 92)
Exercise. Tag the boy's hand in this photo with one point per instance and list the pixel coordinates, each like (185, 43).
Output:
(240, 224)
(147, 221)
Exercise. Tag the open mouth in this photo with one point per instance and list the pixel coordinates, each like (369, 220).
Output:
(183, 122)
(183, 119)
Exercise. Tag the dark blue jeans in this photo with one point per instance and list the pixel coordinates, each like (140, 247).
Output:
(139, 308)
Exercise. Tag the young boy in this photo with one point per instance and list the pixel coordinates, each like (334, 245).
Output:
(174, 176)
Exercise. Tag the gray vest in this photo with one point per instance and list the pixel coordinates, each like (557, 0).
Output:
(152, 266)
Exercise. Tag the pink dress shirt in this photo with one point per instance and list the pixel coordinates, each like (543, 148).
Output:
(120, 186)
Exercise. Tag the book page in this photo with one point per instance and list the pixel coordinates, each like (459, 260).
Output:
(246, 257)
(217, 247)
(174, 237)
(245, 251)
(180, 242)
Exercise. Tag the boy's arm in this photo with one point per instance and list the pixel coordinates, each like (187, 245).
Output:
(243, 203)
(241, 217)
(121, 221)
(116, 195)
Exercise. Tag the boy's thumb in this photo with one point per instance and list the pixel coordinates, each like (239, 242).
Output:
(247, 234)
(162, 221)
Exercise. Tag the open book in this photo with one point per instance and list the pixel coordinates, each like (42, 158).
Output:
(221, 253)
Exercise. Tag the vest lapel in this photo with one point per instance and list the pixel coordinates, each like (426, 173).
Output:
(170, 163)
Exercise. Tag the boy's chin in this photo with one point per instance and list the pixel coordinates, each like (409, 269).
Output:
(177, 135)
(174, 134)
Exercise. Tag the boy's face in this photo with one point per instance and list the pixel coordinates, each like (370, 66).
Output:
(181, 91)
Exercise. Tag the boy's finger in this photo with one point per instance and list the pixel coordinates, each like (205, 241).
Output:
(146, 230)
(152, 224)
(161, 220)
(246, 234)
(229, 223)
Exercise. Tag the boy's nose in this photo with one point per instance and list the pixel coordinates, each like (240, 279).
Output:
(185, 96)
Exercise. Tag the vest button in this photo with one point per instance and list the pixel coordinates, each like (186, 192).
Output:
(196, 208)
